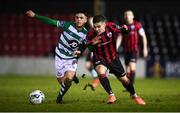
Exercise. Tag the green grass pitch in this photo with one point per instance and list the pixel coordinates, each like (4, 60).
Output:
(161, 95)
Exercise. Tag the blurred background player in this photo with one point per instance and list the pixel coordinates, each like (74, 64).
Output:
(89, 64)
(131, 43)
(74, 34)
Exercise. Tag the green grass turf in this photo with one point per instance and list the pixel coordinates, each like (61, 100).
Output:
(159, 94)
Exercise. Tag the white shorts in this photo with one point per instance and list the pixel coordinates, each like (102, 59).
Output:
(63, 65)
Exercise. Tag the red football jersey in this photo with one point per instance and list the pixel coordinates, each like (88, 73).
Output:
(106, 49)
(130, 40)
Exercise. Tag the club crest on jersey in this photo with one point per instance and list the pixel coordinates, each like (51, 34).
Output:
(61, 23)
(73, 44)
(132, 26)
(109, 34)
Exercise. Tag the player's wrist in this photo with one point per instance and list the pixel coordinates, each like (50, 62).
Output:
(36, 15)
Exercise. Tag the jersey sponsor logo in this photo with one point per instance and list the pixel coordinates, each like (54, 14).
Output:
(106, 43)
(73, 44)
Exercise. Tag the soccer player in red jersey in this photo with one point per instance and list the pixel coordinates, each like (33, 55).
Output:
(131, 43)
(103, 40)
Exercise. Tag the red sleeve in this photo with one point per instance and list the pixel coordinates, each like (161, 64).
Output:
(138, 25)
(114, 27)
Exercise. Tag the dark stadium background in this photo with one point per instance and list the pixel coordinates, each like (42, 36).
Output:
(21, 36)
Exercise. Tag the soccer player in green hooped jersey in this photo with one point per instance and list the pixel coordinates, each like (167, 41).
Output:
(73, 36)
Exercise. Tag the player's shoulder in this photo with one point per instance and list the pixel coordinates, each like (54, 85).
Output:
(91, 31)
(138, 23)
(66, 24)
(84, 30)
(112, 27)
(109, 24)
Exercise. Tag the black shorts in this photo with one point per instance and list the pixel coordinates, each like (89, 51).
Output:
(115, 67)
(130, 57)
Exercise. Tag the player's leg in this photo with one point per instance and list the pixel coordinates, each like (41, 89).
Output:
(132, 66)
(65, 71)
(75, 79)
(117, 69)
(101, 70)
(127, 73)
(95, 82)
(127, 61)
(130, 62)
(66, 83)
(130, 87)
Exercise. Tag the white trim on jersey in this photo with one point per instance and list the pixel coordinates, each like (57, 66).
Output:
(80, 34)
(65, 49)
(69, 37)
(58, 23)
(141, 32)
(64, 40)
(62, 55)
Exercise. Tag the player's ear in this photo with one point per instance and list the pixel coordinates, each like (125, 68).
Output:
(86, 18)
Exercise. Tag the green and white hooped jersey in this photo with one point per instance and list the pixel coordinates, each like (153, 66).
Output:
(70, 39)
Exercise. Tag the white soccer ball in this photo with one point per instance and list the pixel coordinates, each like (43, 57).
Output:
(36, 97)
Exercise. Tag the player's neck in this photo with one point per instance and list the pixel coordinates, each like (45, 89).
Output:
(79, 28)
(130, 22)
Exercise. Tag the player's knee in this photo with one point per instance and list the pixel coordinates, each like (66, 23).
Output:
(68, 81)
(101, 76)
(60, 80)
(133, 70)
(125, 80)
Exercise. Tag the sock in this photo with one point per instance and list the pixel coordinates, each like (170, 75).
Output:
(129, 86)
(75, 79)
(64, 87)
(105, 83)
(132, 76)
(95, 82)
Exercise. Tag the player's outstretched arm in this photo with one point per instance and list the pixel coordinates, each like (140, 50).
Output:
(118, 41)
(44, 19)
(144, 41)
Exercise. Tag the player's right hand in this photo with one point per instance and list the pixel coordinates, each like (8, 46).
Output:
(96, 40)
(30, 13)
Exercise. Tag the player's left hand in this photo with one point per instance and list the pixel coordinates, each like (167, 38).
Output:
(125, 27)
(30, 13)
(145, 52)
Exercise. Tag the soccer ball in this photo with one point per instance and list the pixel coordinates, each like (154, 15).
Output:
(36, 97)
